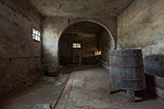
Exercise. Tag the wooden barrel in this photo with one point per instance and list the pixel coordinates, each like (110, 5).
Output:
(126, 69)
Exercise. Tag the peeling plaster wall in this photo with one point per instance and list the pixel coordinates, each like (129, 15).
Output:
(106, 45)
(20, 61)
(53, 28)
(141, 26)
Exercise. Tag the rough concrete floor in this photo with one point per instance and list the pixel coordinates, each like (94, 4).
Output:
(88, 87)
(46, 90)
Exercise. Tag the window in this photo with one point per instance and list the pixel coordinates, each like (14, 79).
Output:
(76, 45)
(35, 34)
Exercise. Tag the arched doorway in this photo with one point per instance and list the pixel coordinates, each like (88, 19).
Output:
(84, 42)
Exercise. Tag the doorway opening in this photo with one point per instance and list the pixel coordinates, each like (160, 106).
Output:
(76, 53)
(84, 43)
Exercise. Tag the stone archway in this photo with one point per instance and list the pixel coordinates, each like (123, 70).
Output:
(80, 21)
(92, 21)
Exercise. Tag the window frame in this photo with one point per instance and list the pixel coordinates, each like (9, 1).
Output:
(75, 45)
(36, 36)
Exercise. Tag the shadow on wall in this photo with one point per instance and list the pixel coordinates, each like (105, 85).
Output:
(92, 60)
(154, 69)
(150, 85)
(154, 65)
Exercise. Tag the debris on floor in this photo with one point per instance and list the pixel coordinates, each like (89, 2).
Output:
(44, 91)
(88, 88)
(51, 80)
(57, 83)
(42, 106)
(60, 75)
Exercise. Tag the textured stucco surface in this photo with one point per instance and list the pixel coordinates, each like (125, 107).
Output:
(53, 27)
(20, 60)
(80, 8)
(141, 26)
(106, 45)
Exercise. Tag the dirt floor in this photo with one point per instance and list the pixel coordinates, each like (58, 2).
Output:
(87, 87)
(44, 91)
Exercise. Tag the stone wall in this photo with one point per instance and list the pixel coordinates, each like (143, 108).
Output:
(141, 26)
(53, 27)
(106, 45)
(89, 44)
(20, 56)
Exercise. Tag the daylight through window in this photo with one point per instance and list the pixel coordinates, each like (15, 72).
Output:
(35, 34)
(76, 45)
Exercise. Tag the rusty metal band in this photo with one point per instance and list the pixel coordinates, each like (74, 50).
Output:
(126, 55)
(126, 66)
(128, 88)
(132, 80)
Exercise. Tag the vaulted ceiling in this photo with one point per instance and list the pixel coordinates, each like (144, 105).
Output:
(84, 27)
(92, 8)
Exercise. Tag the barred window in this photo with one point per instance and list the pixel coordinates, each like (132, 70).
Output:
(76, 45)
(36, 34)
